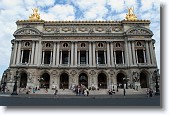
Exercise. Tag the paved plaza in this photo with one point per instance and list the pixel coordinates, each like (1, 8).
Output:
(76, 101)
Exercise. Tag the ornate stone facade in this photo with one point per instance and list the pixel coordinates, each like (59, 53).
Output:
(93, 53)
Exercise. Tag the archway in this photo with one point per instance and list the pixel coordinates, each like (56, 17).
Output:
(120, 81)
(23, 80)
(64, 81)
(143, 80)
(45, 80)
(83, 79)
(102, 81)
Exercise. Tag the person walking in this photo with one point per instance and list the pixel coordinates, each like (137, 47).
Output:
(56, 91)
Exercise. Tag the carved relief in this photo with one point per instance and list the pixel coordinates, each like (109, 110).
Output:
(92, 72)
(82, 29)
(99, 29)
(27, 32)
(73, 72)
(66, 29)
(47, 45)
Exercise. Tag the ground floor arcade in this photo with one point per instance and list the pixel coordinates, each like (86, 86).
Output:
(90, 78)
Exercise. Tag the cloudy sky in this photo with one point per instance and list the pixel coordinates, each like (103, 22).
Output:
(13, 10)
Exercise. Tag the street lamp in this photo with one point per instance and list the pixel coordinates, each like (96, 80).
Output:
(156, 74)
(15, 85)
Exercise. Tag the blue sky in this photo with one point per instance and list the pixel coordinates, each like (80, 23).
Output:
(13, 10)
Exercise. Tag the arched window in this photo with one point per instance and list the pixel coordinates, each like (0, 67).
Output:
(83, 45)
(65, 45)
(117, 44)
(27, 44)
(100, 44)
(48, 44)
(138, 43)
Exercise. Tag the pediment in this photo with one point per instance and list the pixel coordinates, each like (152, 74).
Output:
(27, 31)
(137, 31)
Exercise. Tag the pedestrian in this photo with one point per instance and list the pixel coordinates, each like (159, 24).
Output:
(151, 92)
(87, 92)
(147, 92)
(56, 91)
(33, 90)
(124, 91)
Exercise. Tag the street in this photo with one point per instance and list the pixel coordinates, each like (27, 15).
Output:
(71, 100)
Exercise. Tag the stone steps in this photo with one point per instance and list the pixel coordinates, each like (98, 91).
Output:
(91, 92)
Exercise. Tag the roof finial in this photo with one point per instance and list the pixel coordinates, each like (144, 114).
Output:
(35, 15)
(131, 15)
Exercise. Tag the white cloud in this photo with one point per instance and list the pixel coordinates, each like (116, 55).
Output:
(61, 12)
(117, 5)
(149, 4)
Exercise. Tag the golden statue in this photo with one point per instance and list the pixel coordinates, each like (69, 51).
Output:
(131, 15)
(35, 15)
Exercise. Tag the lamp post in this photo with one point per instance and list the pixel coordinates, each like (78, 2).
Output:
(156, 74)
(15, 85)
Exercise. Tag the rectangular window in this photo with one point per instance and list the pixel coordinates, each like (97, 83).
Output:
(101, 59)
(119, 58)
(64, 57)
(140, 56)
(47, 57)
(25, 58)
(82, 57)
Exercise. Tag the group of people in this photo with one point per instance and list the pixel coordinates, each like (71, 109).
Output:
(3, 88)
(149, 92)
(81, 90)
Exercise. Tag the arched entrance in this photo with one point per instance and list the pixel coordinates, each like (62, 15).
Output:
(45, 80)
(64, 81)
(102, 81)
(120, 81)
(83, 79)
(23, 80)
(143, 80)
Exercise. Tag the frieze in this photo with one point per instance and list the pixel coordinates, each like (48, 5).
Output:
(27, 31)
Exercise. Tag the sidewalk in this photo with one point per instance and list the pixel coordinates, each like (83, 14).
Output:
(73, 96)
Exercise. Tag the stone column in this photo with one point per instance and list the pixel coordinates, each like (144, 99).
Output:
(61, 57)
(136, 56)
(87, 60)
(94, 55)
(43, 55)
(122, 56)
(104, 56)
(36, 53)
(51, 57)
(144, 56)
(57, 54)
(54, 54)
(19, 53)
(147, 53)
(108, 55)
(133, 52)
(15, 53)
(115, 57)
(12, 55)
(32, 54)
(75, 53)
(69, 57)
(72, 46)
(90, 54)
(151, 53)
(78, 57)
(39, 53)
(126, 53)
(130, 54)
(97, 61)
(112, 56)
